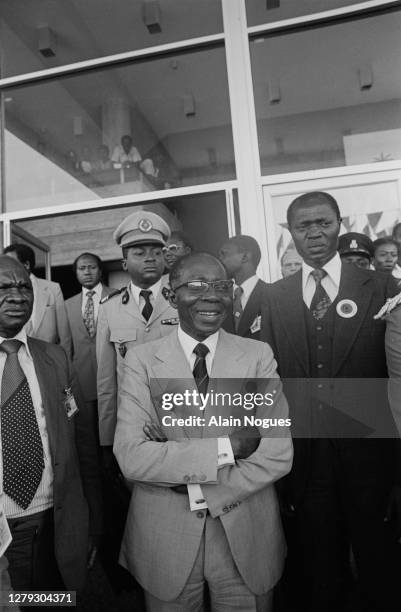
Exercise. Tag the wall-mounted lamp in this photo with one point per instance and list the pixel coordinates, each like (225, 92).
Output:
(46, 41)
(189, 105)
(365, 77)
(274, 90)
(151, 16)
(272, 4)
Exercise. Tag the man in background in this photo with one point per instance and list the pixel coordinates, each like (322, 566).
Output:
(49, 318)
(356, 248)
(241, 256)
(291, 262)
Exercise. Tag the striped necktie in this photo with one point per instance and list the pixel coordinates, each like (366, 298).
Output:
(23, 462)
(200, 371)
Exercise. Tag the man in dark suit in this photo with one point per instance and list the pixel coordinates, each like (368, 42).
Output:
(82, 313)
(241, 256)
(42, 496)
(320, 325)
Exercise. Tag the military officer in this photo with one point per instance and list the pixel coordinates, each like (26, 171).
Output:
(136, 314)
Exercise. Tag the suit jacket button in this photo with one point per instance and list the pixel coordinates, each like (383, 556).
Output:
(194, 478)
(200, 515)
(202, 477)
(147, 329)
(225, 509)
(186, 478)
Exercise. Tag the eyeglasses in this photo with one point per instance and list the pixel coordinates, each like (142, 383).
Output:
(172, 248)
(200, 287)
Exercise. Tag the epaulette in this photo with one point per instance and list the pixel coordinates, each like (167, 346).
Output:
(389, 305)
(112, 294)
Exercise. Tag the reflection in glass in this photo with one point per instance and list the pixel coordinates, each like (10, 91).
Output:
(152, 125)
(43, 34)
(266, 11)
(328, 97)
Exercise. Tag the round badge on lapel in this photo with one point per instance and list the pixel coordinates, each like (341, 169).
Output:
(347, 309)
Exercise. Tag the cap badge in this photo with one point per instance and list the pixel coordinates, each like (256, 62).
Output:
(347, 309)
(145, 225)
(354, 244)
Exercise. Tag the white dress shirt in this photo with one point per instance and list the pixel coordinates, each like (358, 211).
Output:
(43, 498)
(225, 454)
(330, 283)
(247, 287)
(120, 156)
(139, 299)
(96, 297)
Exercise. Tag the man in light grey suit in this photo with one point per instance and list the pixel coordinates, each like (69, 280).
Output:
(203, 506)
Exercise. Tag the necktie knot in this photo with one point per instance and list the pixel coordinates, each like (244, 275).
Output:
(318, 274)
(238, 291)
(90, 293)
(201, 350)
(145, 294)
(10, 346)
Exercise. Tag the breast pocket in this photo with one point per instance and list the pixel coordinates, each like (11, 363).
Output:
(123, 339)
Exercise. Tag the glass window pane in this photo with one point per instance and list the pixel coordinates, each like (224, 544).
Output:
(326, 97)
(155, 124)
(42, 34)
(266, 11)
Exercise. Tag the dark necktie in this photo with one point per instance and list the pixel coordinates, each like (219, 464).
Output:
(237, 306)
(148, 308)
(23, 462)
(200, 372)
(89, 314)
(320, 301)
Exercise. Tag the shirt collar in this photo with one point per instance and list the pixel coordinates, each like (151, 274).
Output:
(188, 343)
(249, 285)
(97, 289)
(154, 289)
(332, 267)
(22, 337)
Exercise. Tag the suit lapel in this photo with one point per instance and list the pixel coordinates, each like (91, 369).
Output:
(174, 375)
(252, 309)
(77, 314)
(40, 305)
(355, 287)
(291, 310)
(48, 390)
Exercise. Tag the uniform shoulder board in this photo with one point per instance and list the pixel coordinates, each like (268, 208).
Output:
(112, 294)
(389, 305)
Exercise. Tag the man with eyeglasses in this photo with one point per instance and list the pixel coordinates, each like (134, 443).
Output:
(203, 508)
(176, 247)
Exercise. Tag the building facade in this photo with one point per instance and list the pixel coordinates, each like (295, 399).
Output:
(216, 113)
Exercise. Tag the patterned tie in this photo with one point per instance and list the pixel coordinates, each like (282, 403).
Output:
(237, 306)
(320, 301)
(200, 372)
(23, 462)
(89, 314)
(148, 308)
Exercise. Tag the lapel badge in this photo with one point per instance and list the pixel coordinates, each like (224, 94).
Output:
(346, 309)
(256, 325)
(125, 297)
(122, 349)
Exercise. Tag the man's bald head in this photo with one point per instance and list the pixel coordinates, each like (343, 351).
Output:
(207, 259)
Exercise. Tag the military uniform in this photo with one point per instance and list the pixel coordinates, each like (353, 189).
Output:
(121, 327)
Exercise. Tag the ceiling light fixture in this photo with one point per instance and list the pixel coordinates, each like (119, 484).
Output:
(365, 77)
(189, 105)
(46, 41)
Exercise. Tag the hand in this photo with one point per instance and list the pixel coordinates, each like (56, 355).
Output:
(154, 432)
(92, 551)
(394, 509)
(244, 442)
